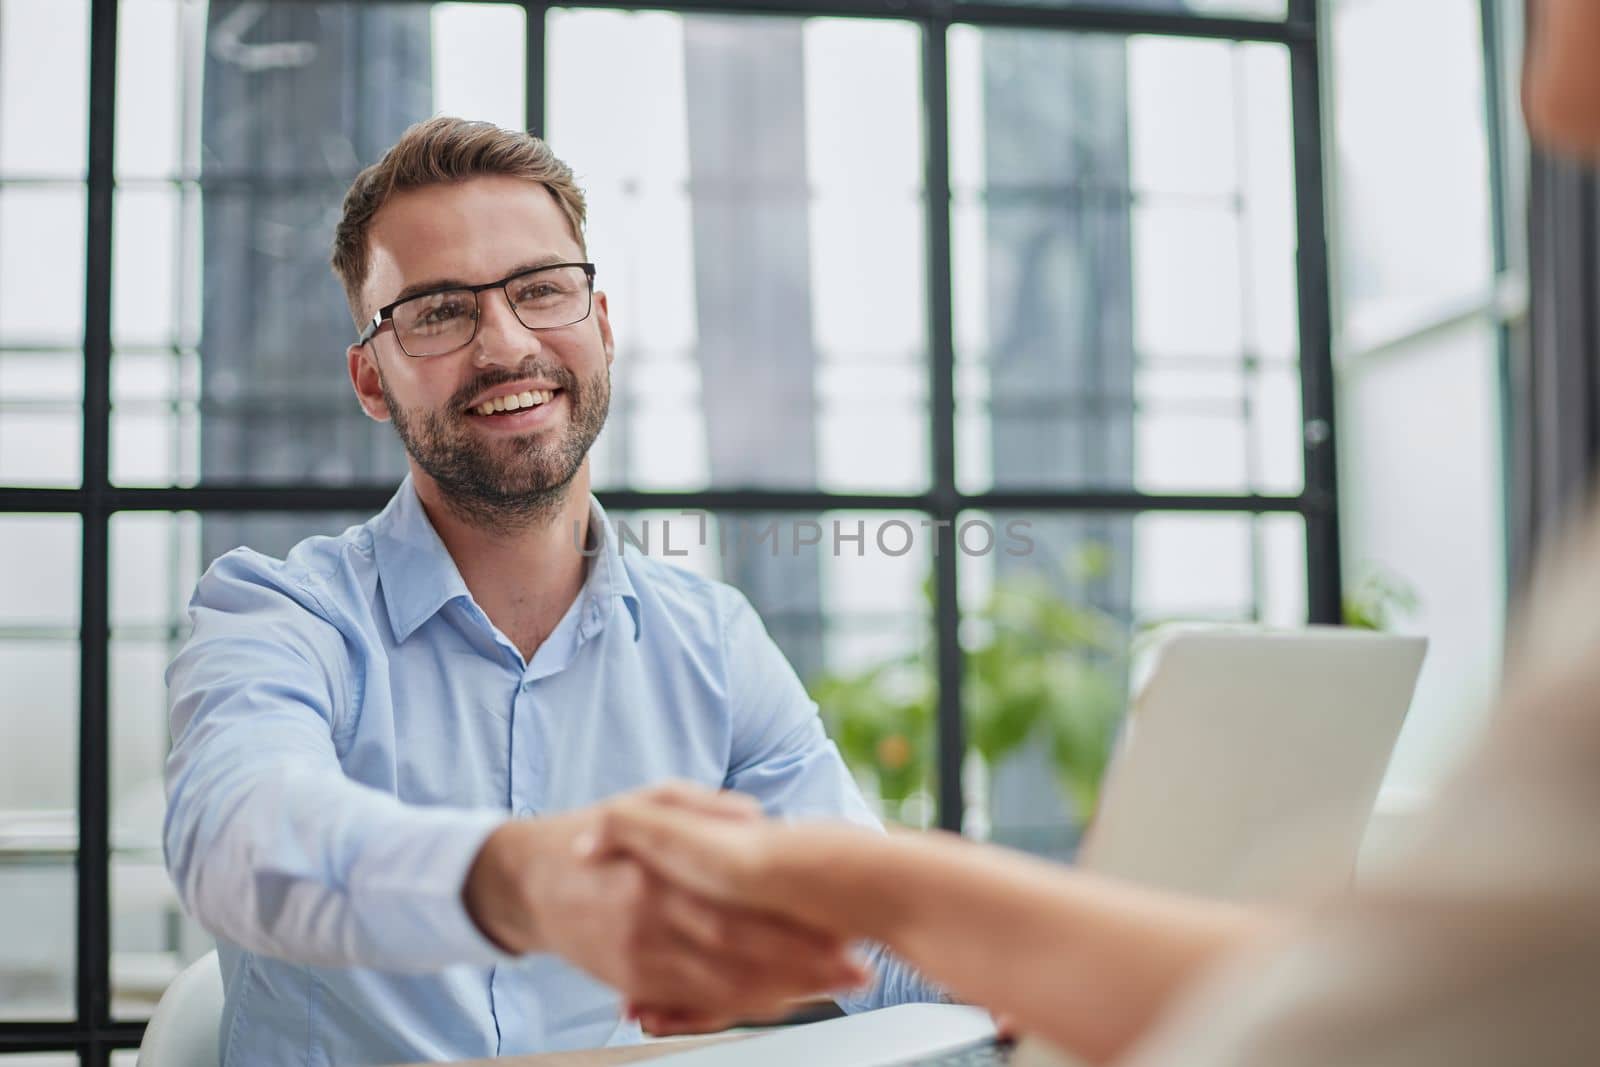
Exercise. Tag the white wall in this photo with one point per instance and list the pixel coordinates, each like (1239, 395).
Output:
(1421, 468)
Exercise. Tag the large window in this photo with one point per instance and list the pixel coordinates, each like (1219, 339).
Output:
(974, 339)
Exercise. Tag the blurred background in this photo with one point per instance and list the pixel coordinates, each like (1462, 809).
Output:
(1221, 299)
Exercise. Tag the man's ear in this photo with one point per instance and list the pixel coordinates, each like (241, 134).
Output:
(603, 317)
(363, 365)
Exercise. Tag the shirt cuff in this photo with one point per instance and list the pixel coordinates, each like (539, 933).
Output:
(894, 982)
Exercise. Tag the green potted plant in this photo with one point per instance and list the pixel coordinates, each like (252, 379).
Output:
(881, 720)
(1377, 599)
(1035, 666)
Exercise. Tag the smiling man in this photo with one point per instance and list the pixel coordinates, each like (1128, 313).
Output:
(385, 745)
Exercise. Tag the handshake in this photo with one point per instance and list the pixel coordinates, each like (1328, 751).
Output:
(703, 914)
(684, 899)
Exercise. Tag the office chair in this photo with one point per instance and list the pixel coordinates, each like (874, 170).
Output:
(183, 1032)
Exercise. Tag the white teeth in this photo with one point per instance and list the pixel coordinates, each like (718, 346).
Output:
(529, 398)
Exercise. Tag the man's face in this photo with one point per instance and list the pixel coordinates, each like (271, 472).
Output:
(500, 466)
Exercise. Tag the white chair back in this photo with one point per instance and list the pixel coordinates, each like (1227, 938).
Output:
(183, 1032)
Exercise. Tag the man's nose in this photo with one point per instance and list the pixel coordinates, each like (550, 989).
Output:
(501, 336)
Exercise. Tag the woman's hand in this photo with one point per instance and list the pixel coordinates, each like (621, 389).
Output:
(654, 941)
(702, 843)
(715, 847)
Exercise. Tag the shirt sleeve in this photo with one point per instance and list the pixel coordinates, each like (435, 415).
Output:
(269, 844)
(783, 757)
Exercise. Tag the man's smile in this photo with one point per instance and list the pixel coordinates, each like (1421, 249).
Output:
(509, 396)
(528, 398)
(526, 410)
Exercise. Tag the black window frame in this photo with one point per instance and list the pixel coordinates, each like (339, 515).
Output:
(93, 1034)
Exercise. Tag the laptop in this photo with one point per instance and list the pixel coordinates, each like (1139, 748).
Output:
(1246, 769)
(1250, 760)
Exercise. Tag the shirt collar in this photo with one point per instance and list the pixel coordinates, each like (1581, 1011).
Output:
(419, 576)
(608, 572)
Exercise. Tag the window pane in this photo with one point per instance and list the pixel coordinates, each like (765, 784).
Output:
(478, 72)
(41, 597)
(1123, 263)
(151, 227)
(1051, 606)
(1190, 430)
(39, 923)
(1267, 204)
(156, 559)
(41, 419)
(873, 427)
(1414, 211)
(158, 83)
(41, 265)
(44, 56)
(39, 606)
(1192, 566)
(230, 330)
(1186, 280)
(40, 787)
(155, 427)
(757, 217)
(38, 827)
(39, 610)
(270, 399)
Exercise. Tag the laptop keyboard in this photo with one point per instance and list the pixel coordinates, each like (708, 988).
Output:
(984, 1054)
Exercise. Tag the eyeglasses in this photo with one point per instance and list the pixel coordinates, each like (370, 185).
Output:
(442, 320)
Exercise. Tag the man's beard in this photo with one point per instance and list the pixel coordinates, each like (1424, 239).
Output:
(523, 481)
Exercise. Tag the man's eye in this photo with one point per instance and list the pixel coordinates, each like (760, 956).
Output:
(440, 312)
(537, 291)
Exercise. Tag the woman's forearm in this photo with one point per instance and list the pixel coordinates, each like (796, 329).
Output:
(1085, 962)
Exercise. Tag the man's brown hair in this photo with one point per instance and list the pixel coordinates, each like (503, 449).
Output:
(436, 152)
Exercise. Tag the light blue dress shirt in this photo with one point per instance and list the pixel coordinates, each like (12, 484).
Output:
(348, 726)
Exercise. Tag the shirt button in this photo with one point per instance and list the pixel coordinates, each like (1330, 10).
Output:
(524, 813)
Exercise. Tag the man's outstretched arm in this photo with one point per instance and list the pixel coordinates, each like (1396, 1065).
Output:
(274, 848)
(270, 845)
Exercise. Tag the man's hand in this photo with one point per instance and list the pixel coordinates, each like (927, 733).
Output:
(530, 890)
(826, 876)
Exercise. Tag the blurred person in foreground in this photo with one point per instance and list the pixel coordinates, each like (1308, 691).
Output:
(1480, 947)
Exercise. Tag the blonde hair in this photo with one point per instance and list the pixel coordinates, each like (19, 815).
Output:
(436, 152)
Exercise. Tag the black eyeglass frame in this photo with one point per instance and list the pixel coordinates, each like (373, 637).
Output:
(386, 313)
